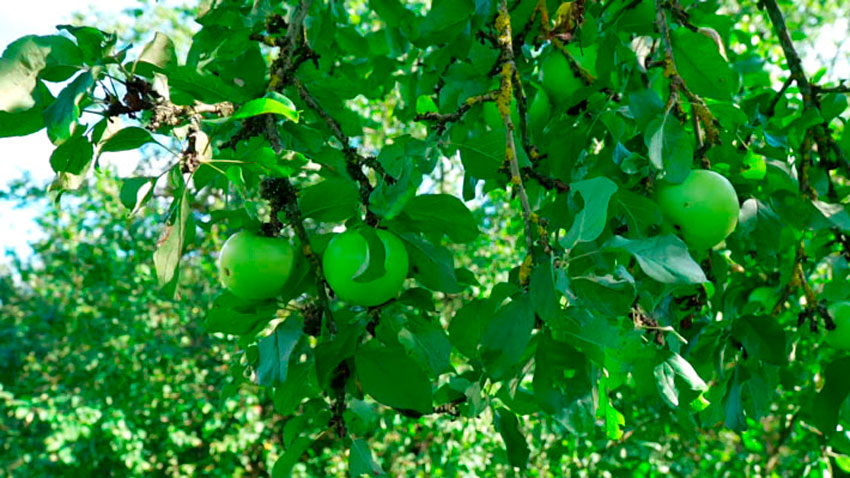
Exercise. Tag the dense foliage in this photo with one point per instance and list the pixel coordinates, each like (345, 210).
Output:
(555, 319)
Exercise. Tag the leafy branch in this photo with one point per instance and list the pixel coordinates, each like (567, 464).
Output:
(354, 160)
(702, 115)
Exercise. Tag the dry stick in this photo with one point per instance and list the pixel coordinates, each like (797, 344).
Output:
(842, 88)
(503, 26)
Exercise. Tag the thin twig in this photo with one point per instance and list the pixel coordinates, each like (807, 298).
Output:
(354, 161)
(294, 37)
(444, 119)
(503, 26)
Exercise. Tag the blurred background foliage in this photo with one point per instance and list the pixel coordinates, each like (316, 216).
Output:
(102, 375)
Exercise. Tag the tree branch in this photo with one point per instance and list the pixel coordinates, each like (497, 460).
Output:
(503, 26)
(282, 196)
(816, 134)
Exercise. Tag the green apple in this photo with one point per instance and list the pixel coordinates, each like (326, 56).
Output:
(255, 267)
(557, 77)
(703, 208)
(840, 337)
(348, 253)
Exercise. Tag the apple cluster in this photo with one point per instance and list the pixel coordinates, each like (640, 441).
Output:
(255, 267)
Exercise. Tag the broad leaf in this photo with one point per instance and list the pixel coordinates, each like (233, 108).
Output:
(393, 379)
(590, 221)
(442, 213)
(664, 258)
(275, 351)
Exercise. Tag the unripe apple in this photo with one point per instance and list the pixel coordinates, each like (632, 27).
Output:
(703, 208)
(255, 267)
(348, 253)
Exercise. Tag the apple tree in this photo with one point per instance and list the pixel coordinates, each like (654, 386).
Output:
(617, 218)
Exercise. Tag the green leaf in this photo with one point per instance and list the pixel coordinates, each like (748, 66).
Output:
(61, 116)
(445, 14)
(332, 200)
(18, 80)
(517, 446)
(560, 374)
(283, 466)
(432, 266)
(482, 155)
(280, 105)
(590, 221)
(202, 85)
(393, 379)
(763, 337)
(330, 354)
(825, 406)
(392, 12)
(673, 370)
(639, 212)
(73, 156)
(301, 383)
(361, 462)
(170, 245)
(832, 105)
(542, 291)
(664, 258)
(670, 147)
(610, 294)
(701, 65)
(53, 57)
(126, 139)
(442, 213)
(96, 45)
(232, 315)
(28, 121)
(376, 257)
(645, 106)
(734, 407)
(614, 420)
(388, 200)
(275, 351)
(157, 55)
(506, 337)
(468, 324)
(427, 343)
(426, 104)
